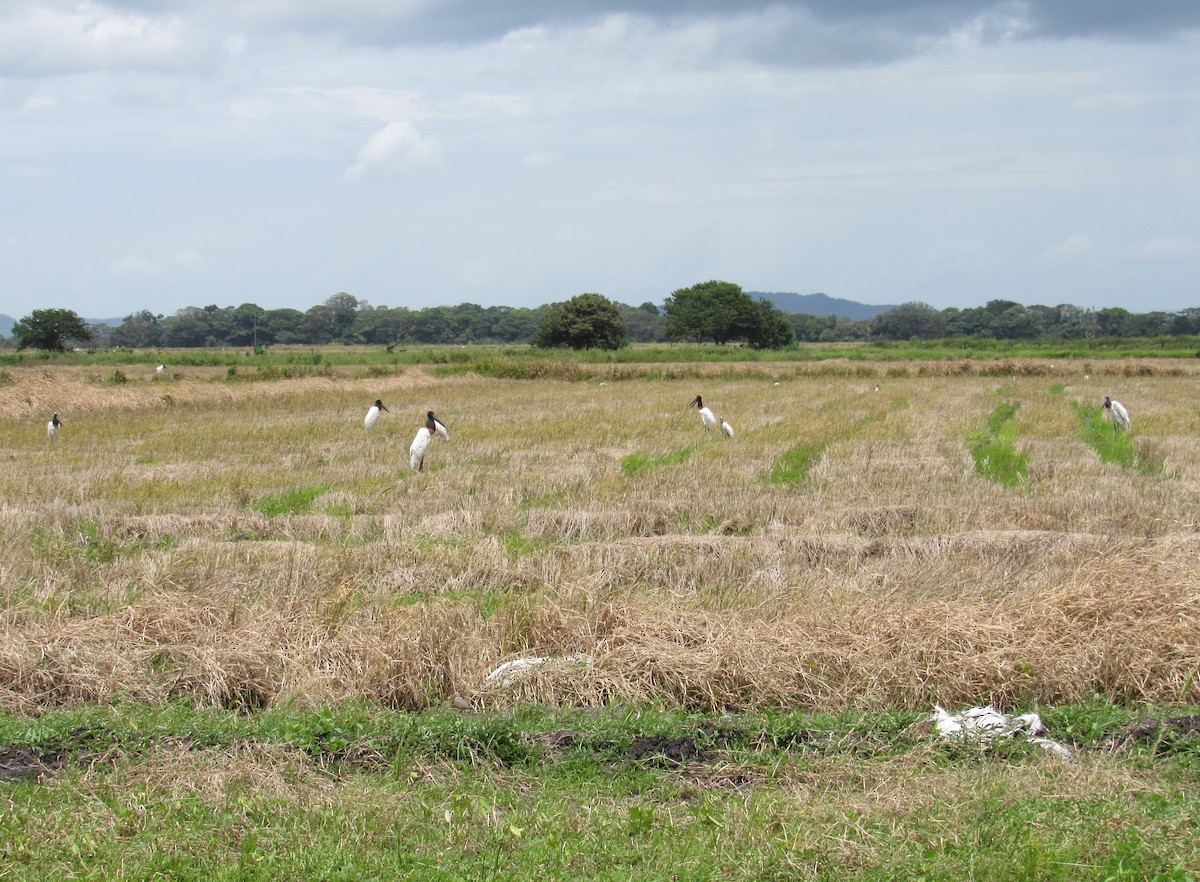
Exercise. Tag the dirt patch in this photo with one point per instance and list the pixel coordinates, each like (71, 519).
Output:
(658, 750)
(19, 763)
(1164, 735)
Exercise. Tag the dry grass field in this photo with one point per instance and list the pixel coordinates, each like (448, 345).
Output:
(245, 544)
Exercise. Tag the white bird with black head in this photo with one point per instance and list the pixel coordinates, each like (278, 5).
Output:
(161, 369)
(709, 419)
(420, 444)
(373, 414)
(1115, 413)
(54, 427)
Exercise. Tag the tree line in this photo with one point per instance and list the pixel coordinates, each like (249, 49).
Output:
(714, 311)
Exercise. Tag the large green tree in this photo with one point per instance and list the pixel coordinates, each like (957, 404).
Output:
(50, 329)
(718, 311)
(588, 321)
(774, 330)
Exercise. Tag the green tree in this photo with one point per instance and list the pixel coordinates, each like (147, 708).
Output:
(344, 308)
(50, 329)
(774, 330)
(716, 311)
(140, 330)
(246, 325)
(587, 321)
(909, 321)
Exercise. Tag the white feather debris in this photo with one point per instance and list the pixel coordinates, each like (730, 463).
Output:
(511, 671)
(985, 723)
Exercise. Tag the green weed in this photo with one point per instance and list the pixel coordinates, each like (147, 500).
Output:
(637, 463)
(1113, 445)
(793, 466)
(995, 451)
(291, 502)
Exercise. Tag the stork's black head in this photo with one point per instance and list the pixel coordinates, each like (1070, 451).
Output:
(430, 420)
(379, 404)
(696, 403)
(1107, 401)
(56, 420)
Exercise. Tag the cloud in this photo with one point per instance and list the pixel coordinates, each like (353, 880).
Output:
(1179, 247)
(398, 146)
(1074, 247)
(52, 38)
(138, 264)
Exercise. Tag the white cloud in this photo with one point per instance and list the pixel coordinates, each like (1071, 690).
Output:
(1179, 247)
(139, 264)
(398, 146)
(1077, 246)
(43, 37)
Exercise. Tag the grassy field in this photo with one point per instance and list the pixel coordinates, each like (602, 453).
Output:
(234, 622)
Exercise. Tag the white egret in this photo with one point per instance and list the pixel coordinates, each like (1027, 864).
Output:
(420, 444)
(1116, 413)
(373, 414)
(53, 427)
(160, 369)
(709, 419)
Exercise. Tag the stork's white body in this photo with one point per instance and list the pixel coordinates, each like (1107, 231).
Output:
(424, 437)
(160, 369)
(419, 447)
(54, 427)
(373, 415)
(1117, 413)
(709, 419)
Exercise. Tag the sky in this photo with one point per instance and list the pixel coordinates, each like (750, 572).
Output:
(159, 154)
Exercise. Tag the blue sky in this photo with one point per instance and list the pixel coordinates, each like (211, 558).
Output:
(157, 155)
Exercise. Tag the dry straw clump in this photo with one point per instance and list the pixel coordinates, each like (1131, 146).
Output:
(251, 547)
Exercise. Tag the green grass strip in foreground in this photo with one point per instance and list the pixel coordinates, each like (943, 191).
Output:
(360, 792)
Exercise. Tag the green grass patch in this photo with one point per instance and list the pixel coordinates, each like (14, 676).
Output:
(995, 448)
(637, 463)
(361, 792)
(793, 466)
(1113, 445)
(291, 502)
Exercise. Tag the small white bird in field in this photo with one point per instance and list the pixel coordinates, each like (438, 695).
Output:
(160, 369)
(709, 419)
(373, 414)
(420, 444)
(1116, 413)
(54, 427)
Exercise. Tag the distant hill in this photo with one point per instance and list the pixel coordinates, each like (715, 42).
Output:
(820, 304)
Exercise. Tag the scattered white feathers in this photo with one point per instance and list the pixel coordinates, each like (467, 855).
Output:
(510, 672)
(984, 724)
